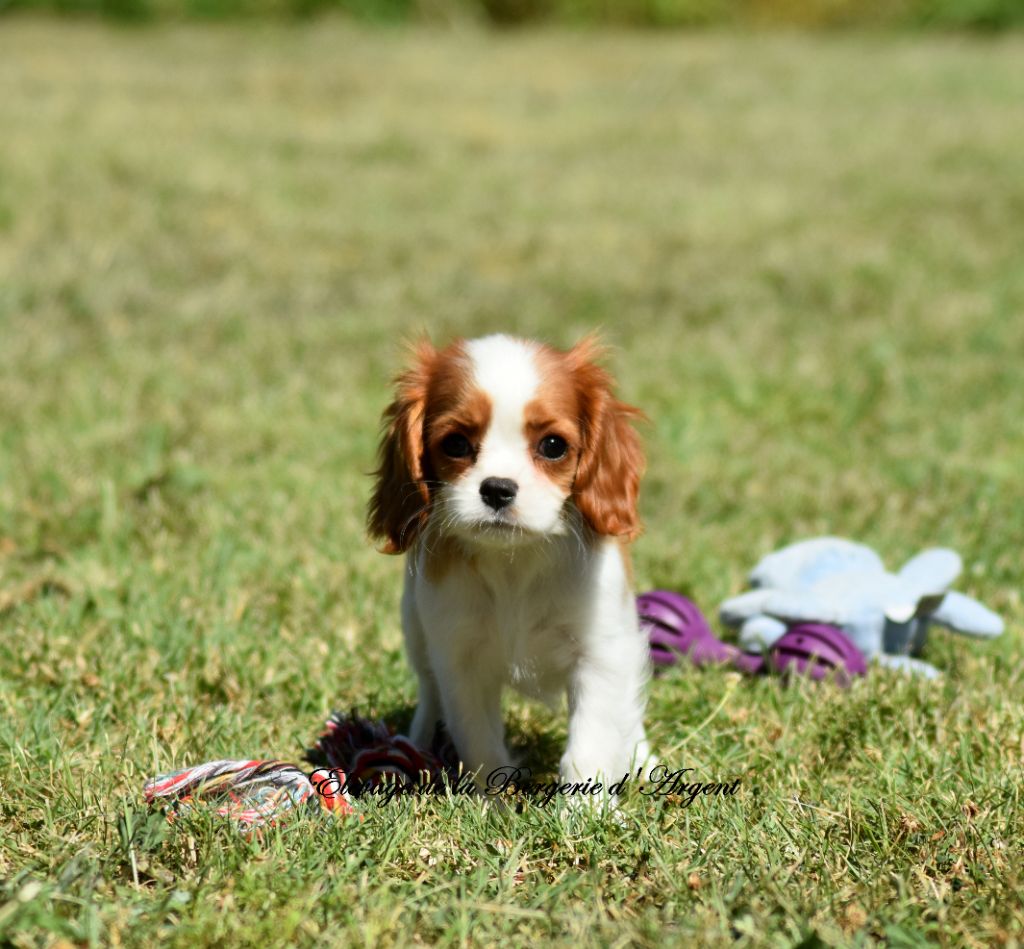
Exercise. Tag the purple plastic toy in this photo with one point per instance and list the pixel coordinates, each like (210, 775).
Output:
(817, 650)
(675, 626)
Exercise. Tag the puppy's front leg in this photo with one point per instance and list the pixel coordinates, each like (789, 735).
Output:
(428, 701)
(471, 701)
(606, 710)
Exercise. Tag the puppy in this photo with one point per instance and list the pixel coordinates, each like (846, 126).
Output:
(509, 473)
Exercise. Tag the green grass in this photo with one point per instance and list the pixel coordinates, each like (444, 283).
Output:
(808, 253)
(971, 15)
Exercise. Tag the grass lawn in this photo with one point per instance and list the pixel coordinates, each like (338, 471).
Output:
(809, 254)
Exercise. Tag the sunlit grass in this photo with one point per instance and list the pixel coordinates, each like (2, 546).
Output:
(808, 254)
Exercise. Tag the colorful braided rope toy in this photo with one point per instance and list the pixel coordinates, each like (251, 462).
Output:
(352, 755)
(251, 792)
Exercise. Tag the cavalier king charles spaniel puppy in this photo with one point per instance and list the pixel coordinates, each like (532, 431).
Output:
(509, 474)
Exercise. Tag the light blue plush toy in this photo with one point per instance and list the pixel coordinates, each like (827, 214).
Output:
(835, 581)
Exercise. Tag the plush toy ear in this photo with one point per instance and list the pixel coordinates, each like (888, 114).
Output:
(962, 614)
(611, 463)
(932, 571)
(400, 502)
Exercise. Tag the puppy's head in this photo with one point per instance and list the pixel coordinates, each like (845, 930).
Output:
(493, 439)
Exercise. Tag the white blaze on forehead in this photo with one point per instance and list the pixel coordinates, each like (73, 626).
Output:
(505, 369)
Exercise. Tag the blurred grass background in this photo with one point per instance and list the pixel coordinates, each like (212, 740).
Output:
(807, 249)
(987, 15)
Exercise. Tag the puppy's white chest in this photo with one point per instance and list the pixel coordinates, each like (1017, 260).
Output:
(539, 651)
(511, 619)
(527, 611)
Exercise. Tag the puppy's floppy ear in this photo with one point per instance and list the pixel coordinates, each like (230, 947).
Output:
(611, 463)
(401, 497)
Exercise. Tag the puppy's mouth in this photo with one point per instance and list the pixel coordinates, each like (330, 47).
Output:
(498, 526)
(498, 523)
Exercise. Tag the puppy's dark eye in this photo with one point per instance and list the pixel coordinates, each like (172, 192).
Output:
(456, 446)
(552, 447)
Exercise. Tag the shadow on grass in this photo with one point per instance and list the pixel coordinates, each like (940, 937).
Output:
(532, 744)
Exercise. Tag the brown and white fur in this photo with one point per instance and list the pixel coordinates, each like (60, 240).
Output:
(509, 473)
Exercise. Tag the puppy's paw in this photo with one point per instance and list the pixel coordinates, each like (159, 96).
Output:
(576, 813)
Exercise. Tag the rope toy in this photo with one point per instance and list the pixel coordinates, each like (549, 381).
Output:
(251, 792)
(353, 755)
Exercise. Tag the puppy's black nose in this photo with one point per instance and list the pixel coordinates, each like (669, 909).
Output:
(498, 492)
